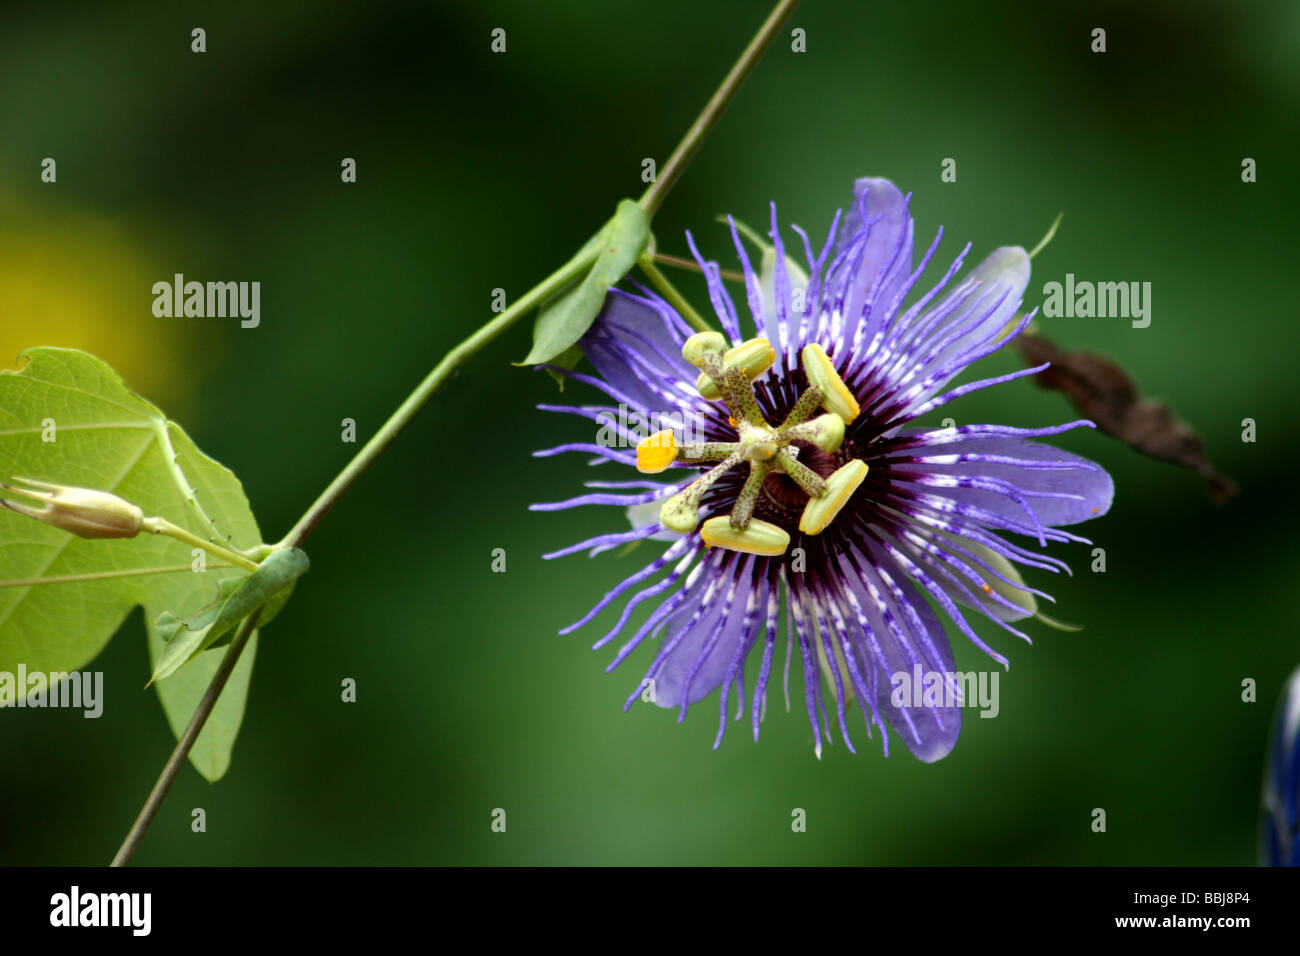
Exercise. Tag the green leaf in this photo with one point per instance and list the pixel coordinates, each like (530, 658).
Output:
(180, 695)
(570, 357)
(562, 321)
(108, 438)
(169, 625)
(271, 583)
(568, 360)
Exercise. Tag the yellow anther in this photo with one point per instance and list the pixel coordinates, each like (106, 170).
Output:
(821, 511)
(759, 537)
(702, 344)
(656, 453)
(836, 396)
(753, 357)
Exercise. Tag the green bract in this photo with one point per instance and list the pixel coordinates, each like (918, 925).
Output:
(269, 585)
(565, 318)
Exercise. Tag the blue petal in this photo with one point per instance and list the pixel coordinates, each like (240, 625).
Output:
(700, 639)
(880, 227)
(1045, 471)
(898, 636)
(635, 345)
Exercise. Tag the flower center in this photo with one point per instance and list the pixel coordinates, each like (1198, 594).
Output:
(757, 444)
(782, 493)
(770, 451)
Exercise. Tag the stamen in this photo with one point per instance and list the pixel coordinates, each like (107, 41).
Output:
(803, 476)
(821, 511)
(753, 358)
(743, 510)
(730, 373)
(824, 431)
(701, 452)
(656, 453)
(805, 407)
(836, 395)
(759, 537)
(681, 512)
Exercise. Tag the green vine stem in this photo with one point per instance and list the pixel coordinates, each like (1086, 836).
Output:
(672, 170)
(405, 412)
(571, 270)
(186, 741)
(675, 298)
(171, 530)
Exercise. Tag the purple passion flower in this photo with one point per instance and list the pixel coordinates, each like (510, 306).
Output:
(793, 469)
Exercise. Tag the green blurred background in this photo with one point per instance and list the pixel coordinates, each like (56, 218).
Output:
(479, 171)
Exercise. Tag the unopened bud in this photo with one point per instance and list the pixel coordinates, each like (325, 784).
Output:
(81, 511)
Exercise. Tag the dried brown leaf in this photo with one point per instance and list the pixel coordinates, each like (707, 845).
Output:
(1106, 394)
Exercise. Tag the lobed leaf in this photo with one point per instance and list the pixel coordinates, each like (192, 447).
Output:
(107, 437)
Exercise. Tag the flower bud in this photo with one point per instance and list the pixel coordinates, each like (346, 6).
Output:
(80, 511)
(753, 358)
